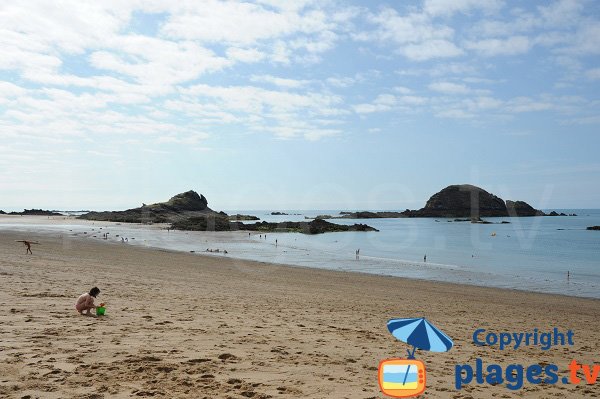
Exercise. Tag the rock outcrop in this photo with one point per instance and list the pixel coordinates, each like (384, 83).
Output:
(460, 201)
(220, 223)
(521, 208)
(243, 217)
(180, 206)
(593, 228)
(468, 201)
(457, 201)
(35, 212)
(190, 211)
(371, 215)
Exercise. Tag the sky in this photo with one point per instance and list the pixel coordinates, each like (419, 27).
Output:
(298, 104)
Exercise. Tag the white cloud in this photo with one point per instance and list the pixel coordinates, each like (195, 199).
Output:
(382, 103)
(168, 62)
(244, 24)
(188, 139)
(562, 13)
(450, 7)
(412, 100)
(281, 82)
(593, 74)
(227, 22)
(8, 90)
(282, 113)
(449, 88)
(249, 55)
(585, 42)
(495, 47)
(526, 104)
(340, 81)
(431, 49)
(454, 114)
(416, 36)
(402, 90)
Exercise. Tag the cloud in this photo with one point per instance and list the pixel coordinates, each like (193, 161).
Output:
(526, 104)
(562, 13)
(8, 90)
(431, 49)
(593, 74)
(340, 81)
(168, 62)
(514, 45)
(415, 34)
(453, 88)
(281, 82)
(454, 114)
(281, 112)
(243, 24)
(249, 55)
(262, 66)
(448, 8)
(383, 102)
(585, 41)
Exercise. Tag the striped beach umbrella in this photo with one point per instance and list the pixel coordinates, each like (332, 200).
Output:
(420, 334)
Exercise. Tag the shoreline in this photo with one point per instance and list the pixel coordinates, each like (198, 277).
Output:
(182, 325)
(455, 271)
(406, 280)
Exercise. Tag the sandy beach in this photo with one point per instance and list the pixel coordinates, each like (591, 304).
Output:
(192, 326)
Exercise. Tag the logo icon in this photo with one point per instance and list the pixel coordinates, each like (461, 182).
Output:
(403, 378)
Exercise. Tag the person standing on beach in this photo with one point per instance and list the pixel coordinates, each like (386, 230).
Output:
(28, 245)
(86, 301)
(276, 242)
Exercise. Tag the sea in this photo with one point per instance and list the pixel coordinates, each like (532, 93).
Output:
(541, 254)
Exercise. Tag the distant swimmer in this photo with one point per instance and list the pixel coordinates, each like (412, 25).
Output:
(276, 242)
(225, 251)
(425, 258)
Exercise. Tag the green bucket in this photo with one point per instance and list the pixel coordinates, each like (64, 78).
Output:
(100, 311)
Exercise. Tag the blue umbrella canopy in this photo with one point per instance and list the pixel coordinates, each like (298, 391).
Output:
(420, 333)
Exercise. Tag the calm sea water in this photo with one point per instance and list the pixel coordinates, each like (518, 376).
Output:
(531, 254)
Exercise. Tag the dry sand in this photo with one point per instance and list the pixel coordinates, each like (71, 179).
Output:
(190, 326)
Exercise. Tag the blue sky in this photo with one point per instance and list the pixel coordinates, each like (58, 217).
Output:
(298, 105)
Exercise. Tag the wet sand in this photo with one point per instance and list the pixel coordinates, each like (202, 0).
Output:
(192, 326)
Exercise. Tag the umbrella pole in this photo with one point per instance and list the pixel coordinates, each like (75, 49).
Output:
(406, 375)
(411, 355)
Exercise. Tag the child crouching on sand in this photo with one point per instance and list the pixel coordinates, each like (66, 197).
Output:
(86, 301)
